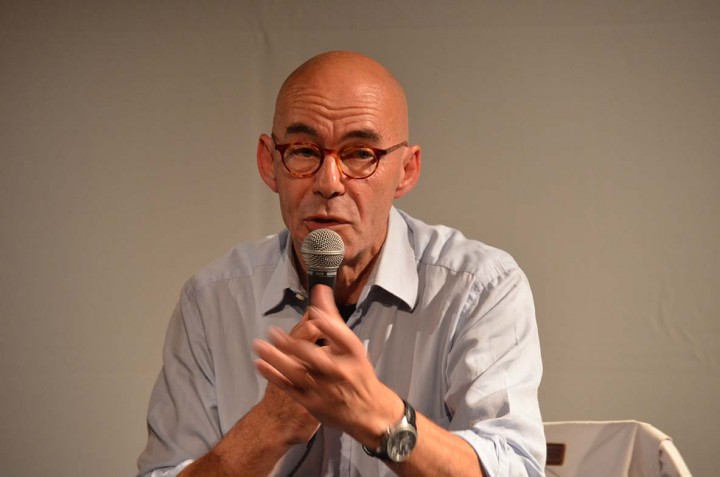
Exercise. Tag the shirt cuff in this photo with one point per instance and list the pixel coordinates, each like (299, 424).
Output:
(492, 458)
(172, 471)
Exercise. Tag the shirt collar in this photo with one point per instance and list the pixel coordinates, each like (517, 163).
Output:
(395, 271)
(284, 285)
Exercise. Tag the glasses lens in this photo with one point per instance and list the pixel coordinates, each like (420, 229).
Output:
(302, 158)
(358, 162)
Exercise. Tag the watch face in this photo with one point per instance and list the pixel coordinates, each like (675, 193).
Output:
(401, 444)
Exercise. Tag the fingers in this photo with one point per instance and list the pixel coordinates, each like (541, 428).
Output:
(308, 355)
(290, 357)
(305, 330)
(272, 375)
(286, 360)
(278, 367)
(339, 337)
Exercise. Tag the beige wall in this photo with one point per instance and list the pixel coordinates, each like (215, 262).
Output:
(582, 139)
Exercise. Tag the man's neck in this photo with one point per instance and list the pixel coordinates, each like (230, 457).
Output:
(352, 279)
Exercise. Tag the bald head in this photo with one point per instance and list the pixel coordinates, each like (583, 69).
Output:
(342, 103)
(343, 81)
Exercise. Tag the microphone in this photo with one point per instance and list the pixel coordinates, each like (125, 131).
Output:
(322, 252)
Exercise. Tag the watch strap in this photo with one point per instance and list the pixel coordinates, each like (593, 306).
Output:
(410, 414)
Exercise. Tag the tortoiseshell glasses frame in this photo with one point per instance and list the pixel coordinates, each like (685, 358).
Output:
(303, 159)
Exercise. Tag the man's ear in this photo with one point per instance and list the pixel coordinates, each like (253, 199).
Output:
(265, 162)
(411, 172)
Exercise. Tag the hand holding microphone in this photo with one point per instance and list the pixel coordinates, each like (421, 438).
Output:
(322, 252)
(336, 383)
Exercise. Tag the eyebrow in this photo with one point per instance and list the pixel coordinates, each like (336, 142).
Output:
(367, 134)
(301, 128)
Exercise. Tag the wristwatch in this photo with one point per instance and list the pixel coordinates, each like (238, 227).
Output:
(399, 440)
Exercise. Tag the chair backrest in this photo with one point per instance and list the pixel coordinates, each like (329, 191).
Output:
(611, 449)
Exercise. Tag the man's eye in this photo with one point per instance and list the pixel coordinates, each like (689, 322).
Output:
(304, 152)
(360, 153)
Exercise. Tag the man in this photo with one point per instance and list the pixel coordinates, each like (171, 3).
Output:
(429, 361)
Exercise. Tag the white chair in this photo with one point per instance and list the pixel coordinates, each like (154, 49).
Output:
(611, 449)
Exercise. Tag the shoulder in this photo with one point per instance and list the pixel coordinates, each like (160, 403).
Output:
(448, 248)
(244, 260)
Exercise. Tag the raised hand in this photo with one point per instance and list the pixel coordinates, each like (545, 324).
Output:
(336, 383)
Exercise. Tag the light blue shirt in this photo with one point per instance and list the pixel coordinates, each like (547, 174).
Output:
(449, 324)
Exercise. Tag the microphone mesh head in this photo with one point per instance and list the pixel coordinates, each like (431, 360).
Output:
(322, 250)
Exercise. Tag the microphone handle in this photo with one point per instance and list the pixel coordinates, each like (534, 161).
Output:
(315, 277)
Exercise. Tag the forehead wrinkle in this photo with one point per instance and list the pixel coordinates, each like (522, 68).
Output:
(333, 111)
(352, 121)
(362, 133)
(369, 134)
(339, 110)
(370, 98)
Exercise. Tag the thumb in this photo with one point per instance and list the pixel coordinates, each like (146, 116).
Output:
(322, 297)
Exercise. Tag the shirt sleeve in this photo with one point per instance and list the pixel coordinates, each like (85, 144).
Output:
(182, 419)
(494, 370)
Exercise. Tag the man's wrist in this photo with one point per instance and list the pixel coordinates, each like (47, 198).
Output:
(373, 430)
(272, 429)
(398, 441)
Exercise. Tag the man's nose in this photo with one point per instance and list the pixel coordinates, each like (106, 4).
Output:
(329, 178)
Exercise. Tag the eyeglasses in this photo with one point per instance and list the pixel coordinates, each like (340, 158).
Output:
(303, 159)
